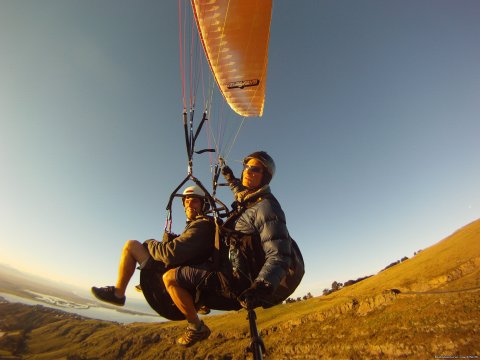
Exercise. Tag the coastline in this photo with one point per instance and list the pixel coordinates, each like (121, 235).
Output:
(90, 310)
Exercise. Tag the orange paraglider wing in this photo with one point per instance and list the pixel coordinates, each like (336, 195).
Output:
(235, 36)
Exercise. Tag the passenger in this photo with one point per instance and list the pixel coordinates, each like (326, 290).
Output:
(193, 246)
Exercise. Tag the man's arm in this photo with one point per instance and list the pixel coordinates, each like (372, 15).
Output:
(195, 244)
(275, 241)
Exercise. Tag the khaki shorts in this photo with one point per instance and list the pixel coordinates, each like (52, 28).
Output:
(192, 278)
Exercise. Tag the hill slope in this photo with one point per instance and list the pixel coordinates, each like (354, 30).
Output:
(424, 307)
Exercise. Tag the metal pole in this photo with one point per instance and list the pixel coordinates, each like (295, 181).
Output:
(256, 347)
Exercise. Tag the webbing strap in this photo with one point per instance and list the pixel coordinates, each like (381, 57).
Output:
(216, 252)
(221, 229)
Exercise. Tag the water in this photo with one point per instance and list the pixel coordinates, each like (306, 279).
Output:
(91, 310)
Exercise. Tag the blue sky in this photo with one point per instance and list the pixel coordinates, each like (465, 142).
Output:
(372, 116)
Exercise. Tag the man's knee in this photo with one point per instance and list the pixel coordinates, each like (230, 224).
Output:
(135, 249)
(169, 277)
(131, 245)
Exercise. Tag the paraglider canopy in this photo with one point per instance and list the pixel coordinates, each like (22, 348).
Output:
(235, 38)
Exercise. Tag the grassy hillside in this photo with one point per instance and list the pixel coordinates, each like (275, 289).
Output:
(452, 262)
(434, 311)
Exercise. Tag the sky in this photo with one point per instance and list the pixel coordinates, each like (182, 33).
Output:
(372, 116)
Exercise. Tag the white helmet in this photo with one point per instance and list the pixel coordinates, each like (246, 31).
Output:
(196, 191)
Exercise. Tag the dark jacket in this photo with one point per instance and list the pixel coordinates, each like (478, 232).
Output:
(264, 219)
(194, 245)
(263, 216)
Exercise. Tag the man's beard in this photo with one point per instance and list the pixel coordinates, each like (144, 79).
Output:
(191, 213)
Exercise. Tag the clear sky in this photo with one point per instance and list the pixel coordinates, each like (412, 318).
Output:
(372, 115)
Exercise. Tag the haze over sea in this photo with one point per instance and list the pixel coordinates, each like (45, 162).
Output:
(94, 312)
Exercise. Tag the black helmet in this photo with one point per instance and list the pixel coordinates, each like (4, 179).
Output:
(266, 161)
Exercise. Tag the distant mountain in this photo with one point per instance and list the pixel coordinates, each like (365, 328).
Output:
(425, 307)
(15, 282)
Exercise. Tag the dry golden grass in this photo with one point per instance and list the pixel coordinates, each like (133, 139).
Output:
(451, 259)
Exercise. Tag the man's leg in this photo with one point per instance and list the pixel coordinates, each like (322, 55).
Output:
(181, 297)
(133, 252)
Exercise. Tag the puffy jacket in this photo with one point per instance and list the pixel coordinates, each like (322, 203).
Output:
(265, 218)
(260, 217)
(194, 245)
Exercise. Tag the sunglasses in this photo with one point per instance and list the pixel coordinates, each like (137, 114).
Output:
(253, 169)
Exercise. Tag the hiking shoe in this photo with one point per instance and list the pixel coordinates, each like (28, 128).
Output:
(192, 336)
(203, 310)
(107, 294)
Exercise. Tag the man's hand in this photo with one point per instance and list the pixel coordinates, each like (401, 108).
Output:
(221, 162)
(167, 236)
(227, 173)
(253, 296)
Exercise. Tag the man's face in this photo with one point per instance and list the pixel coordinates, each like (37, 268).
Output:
(252, 174)
(193, 207)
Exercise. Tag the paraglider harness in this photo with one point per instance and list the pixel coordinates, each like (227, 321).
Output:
(238, 259)
(151, 280)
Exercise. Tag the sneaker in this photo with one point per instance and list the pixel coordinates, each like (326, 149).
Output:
(203, 310)
(107, 294)
(192, 336)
